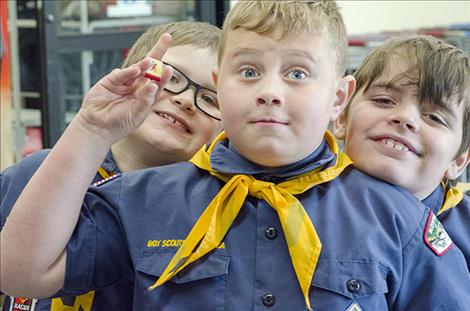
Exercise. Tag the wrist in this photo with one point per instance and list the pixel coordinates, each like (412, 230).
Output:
(89, 137)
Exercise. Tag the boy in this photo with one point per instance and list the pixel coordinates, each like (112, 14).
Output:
(409, 124)
(195, 240)
(173, 131)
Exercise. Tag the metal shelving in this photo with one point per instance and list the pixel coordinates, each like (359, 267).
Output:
(78, 42)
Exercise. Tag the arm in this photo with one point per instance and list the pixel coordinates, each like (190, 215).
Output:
(457, 224)
(44, 216)
(432, 282)
(13, 180)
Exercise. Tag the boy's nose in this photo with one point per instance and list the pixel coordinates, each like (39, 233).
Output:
(406, 121)
(269, 93)
(185, 100)
(267, 99)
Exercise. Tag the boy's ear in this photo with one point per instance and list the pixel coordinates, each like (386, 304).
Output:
(457, 166)
(344, 91)
(339, 126)
(215, 75)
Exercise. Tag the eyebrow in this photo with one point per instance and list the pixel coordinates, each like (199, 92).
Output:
(301, 54)
(289, 53)
(247, 51)
(397, 88)
(386, 85)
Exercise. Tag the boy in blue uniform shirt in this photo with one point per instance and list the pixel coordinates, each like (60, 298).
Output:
(409, 124)
(270, 215)
(173, 131)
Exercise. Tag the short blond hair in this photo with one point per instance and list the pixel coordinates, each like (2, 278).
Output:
(292, 18)
(198, 34)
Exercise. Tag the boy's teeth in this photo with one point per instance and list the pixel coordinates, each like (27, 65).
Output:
(394, 144)
(171, 119)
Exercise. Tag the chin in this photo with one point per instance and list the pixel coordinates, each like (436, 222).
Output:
(383, 172)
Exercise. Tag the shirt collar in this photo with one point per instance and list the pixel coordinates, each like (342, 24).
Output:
(109, 164)
(226, 159)
(435, 200)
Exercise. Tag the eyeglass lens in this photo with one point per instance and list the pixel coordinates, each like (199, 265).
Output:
(205, 99)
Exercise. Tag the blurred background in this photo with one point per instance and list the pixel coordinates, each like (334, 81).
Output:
(53, 51)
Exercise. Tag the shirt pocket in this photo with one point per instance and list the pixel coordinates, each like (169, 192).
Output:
(199, 286)
(339, 284)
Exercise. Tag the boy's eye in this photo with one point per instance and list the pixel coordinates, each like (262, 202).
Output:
(435, 118)
(249, 73)
(210, 100)
(383, 101)
(174, 79)
(297, 74)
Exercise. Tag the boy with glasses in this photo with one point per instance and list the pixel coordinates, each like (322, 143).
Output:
(178, 125)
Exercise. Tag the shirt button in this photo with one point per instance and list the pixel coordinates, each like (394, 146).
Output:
(270, 233)
(353, 285)
(269, 300)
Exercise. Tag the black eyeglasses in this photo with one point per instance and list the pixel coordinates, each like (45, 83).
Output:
(204, 98)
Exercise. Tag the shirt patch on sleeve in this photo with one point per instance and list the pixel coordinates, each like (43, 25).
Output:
(354, 307)
(22, 304)
(103, 181)
(436, 236)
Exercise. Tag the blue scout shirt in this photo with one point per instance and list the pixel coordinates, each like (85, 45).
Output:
(374, 254)
(456, 220)
(115, 297)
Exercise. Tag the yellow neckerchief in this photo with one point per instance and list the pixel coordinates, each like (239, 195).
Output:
(211, 227)
(453, 197)
(104, 173)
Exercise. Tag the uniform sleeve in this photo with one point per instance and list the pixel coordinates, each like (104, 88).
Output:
(13, 180)
(456, 221)
(97, 253)
(433, 277)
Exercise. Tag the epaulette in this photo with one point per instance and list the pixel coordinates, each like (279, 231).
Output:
(103, 181)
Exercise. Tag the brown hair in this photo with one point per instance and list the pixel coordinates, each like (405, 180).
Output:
(293, 18)
(438, 69)
(198, 34)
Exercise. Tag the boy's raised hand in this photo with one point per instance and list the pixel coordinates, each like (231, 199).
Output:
(117, 104)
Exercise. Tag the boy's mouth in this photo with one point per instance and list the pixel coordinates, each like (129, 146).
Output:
(269, 121)
(396, 143)
(175, 120)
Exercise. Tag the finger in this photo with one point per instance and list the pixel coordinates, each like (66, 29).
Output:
(123, 76)
(166, 75)
(147, 96)
(142, 66)
(159, 49)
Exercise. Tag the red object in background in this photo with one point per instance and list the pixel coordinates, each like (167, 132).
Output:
(32, 141)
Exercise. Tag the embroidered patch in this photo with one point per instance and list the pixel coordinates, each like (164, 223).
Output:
(22, 304)
(103, 181)
(354, 307)
(436, 236)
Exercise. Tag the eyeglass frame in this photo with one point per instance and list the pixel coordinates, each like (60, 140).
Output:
(196, 86)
